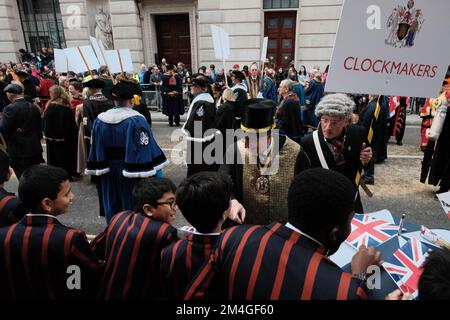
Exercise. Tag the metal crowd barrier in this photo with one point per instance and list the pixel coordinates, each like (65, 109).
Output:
(151, 93)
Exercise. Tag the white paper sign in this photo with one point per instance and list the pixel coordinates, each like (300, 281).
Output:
(61, 64)
(112, 58)
(76, 63)
(90, 57)
(221, 41)
(264, 49)
(444, 199)
(127, 62)
(391, 47)
(97, 50)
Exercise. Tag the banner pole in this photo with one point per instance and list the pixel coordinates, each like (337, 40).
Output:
(120, 60)
(85, 62)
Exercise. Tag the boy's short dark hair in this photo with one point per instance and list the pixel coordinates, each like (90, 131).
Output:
(4, 166)
(39, 182)
(203, 198)
(149, 191)
(434, 283)
(320, 198)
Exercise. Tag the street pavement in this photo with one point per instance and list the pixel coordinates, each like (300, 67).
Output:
(397, 187)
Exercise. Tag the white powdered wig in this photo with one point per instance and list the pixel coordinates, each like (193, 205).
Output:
(337, 104)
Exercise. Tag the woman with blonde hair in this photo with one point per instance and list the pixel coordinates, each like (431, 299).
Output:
(60, 131)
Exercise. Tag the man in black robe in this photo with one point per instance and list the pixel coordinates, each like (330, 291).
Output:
(240, 91)
(199, 127)
(440, 164)
(337, 145)
(172, 92)
(380, 127)
(95, 104)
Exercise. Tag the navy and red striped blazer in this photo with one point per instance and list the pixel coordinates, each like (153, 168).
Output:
(271, 262)
(11, 208)
(35, 254)
(131, 247)
(181, 261)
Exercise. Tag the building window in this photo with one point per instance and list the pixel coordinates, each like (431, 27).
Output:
(41, 24)
(281, 4)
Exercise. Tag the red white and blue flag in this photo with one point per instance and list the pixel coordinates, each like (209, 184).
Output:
(370, 232)
(404, 266)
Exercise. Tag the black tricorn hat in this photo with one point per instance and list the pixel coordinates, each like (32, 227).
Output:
(170, 67)
(13, 88)
(93, 82)
(258, 116)
(124, 90)
(199, 82)
(22, 73)
(238, 74)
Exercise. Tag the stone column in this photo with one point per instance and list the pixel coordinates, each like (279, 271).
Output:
(11, 38)
(127, 29)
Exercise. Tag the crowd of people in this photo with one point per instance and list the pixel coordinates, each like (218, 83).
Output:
(254, 230)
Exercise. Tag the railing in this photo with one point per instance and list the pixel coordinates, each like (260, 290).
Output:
(151, 93)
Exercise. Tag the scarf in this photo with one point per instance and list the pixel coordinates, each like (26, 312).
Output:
(172, 80)
(338, 146)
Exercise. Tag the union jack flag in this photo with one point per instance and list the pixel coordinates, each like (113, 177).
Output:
(370, 232)
(404, 266)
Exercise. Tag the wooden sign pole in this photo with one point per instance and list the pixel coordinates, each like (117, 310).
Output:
(120, 60)
(85, 62)
(106, 61)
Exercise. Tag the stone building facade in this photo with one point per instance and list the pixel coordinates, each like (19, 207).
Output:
(179, 30)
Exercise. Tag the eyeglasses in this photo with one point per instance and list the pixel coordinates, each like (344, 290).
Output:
(172, 204)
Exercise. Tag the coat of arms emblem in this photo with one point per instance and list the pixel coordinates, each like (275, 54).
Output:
(403, 24)
(144, 139)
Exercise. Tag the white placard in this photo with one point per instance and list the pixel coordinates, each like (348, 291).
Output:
(61, 64)
(127, 61)
(264, 49)
(97, 50)
(391, 47)
(112, 58)
(221, 41)
(76, 63)
(444, 199)
(90, 57)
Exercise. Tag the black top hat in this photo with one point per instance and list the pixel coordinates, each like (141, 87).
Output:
(91, 82)
(238, 74)
(199, 82)
(13, 88)
(124, 90)
(258, 116)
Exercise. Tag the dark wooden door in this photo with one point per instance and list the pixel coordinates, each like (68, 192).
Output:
(173, 36)
(280, 28)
